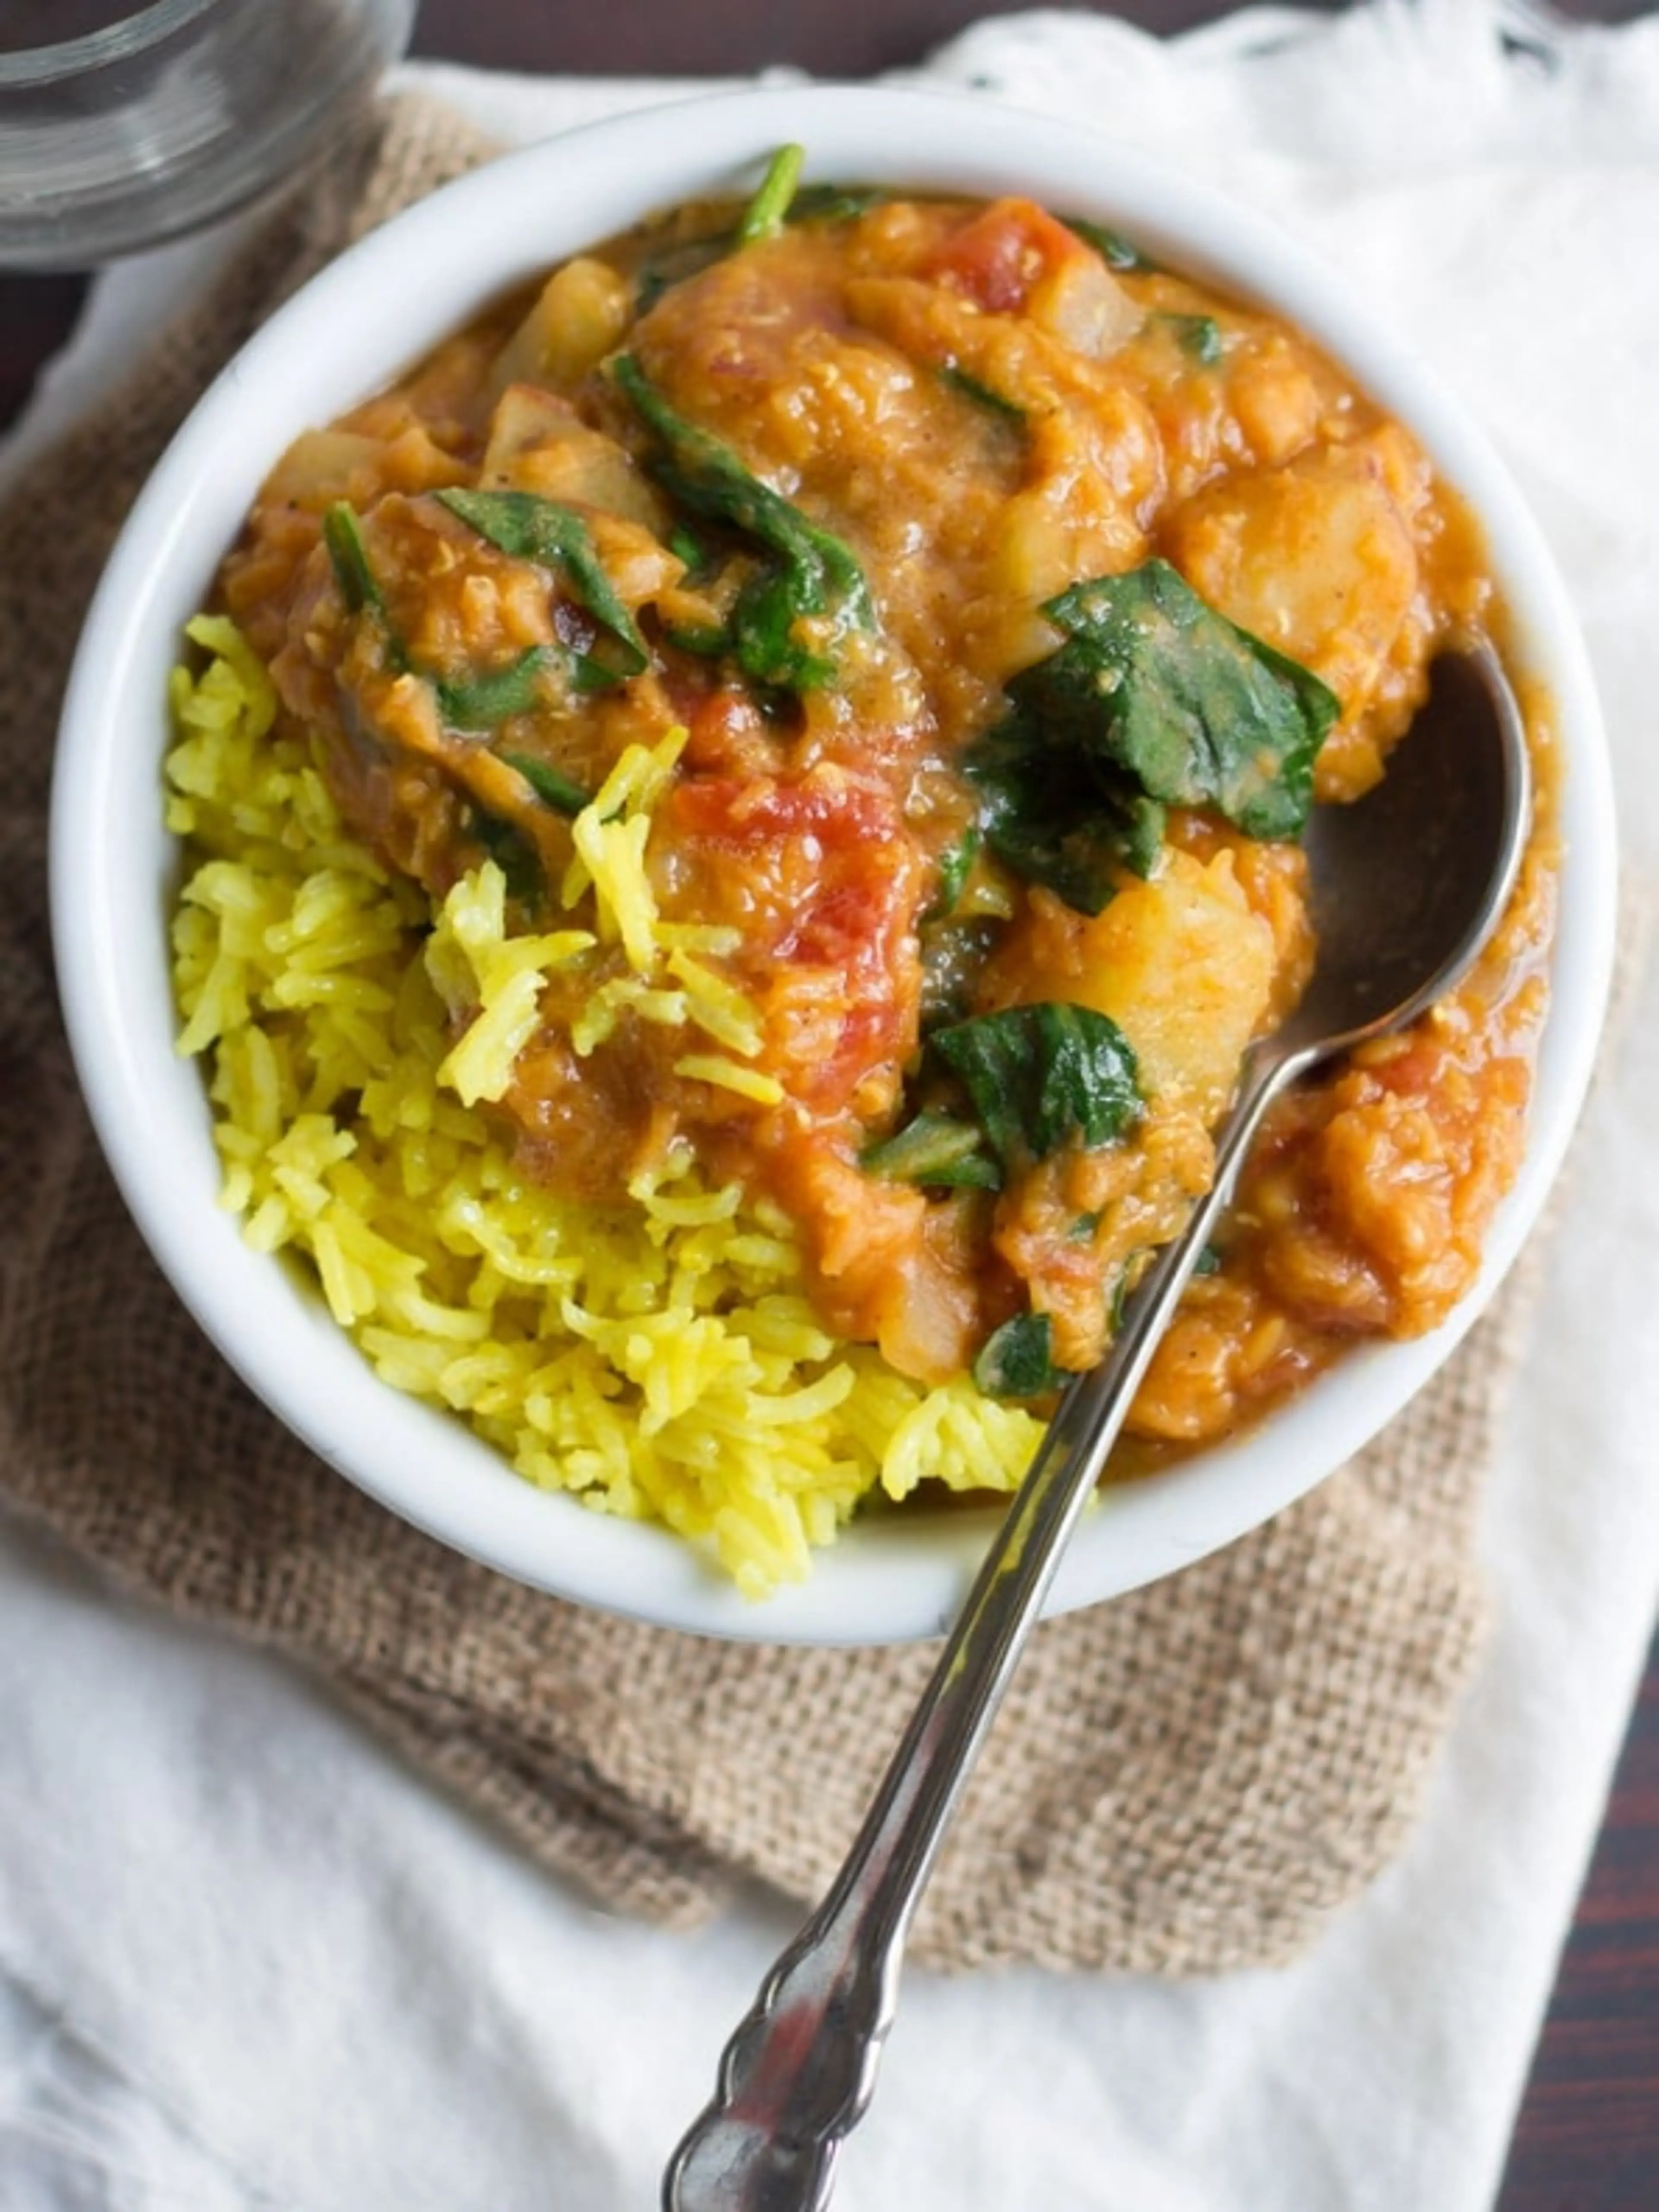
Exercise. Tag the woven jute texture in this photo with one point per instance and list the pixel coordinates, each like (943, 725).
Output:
(1188, 1780)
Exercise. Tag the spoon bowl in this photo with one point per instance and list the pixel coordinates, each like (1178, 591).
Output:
(1408, 882)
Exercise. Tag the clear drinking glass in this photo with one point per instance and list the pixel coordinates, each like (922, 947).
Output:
(124, 123)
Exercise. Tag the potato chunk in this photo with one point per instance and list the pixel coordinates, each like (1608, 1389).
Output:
(1317, 558)
(538, 443)
(580, 314)
(1182, 964)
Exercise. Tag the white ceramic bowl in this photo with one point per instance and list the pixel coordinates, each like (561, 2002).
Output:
(351, 331)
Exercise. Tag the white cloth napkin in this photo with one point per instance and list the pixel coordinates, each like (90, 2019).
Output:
(248, 1961)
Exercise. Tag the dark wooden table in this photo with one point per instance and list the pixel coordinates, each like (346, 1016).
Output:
(1587, 2136)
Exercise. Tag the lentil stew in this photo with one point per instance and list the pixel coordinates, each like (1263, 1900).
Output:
(995, 605)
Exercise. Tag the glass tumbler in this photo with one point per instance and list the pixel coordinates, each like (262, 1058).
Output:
(124, 123)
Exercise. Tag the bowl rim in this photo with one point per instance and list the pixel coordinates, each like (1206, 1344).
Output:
(888, 1578)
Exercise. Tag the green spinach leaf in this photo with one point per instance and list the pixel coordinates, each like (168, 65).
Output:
(954, 950)
(674, 263)
(955, 865)
(526, 527)
(1059, 814)
(808, 574)
(1197, 710)
(982, 395)
(1117, 252)
(835, 203)
(550, 785)
(479, 702)
(359, 587)
(512, 854)
(937, 1149)
(1016, 1360)
(1044, 1076)
(1199, 336)
(343, 534)
(765, 214)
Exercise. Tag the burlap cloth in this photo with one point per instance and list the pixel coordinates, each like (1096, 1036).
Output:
(1187, 1780)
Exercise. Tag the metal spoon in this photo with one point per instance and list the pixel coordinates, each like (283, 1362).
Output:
(1407, 885)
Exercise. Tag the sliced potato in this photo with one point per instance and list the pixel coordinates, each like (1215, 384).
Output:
(321, 466)
(1082, 303)
(1183, 964)
(538, 442)
(1317, 558)
(580, 314)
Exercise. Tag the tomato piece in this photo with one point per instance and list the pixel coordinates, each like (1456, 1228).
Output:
(1000, 256)
(824, 881)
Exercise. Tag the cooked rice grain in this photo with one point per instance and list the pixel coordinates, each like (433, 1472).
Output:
(659, 1360)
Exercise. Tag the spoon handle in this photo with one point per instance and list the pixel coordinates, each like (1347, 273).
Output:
(801, 2070)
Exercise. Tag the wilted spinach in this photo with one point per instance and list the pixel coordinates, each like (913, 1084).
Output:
(1044, 1076)
(1035, 1079)
(526, 527)
(806, 573)
(1016, 1360)
(1154, 700)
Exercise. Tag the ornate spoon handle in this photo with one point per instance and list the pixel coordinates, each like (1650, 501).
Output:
(799, 2073)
